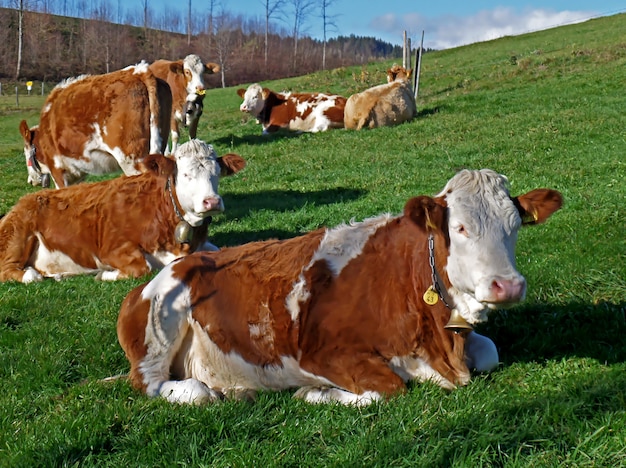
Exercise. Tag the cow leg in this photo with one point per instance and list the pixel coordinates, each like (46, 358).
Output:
(174, 135)
(58, 176)
(126, 261)
(16, 247)
(480, 353)
(151, 331)
(361, 378)
(335, 395)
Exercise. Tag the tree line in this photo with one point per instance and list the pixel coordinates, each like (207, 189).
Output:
(38, 44)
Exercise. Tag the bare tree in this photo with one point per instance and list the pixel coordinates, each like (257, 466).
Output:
(223, 42)
(189, 24)
(145, 17)
(301, 11)
(328, 22)
(272, 7)
(20, 37)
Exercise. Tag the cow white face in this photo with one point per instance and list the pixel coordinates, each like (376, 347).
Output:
(483, 223)
(197, 178)
(253, 101)
(194, 69)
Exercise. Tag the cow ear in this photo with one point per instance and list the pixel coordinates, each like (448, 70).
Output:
(230, 164)
(265, 93)
(210, 68)
(428, 213)
(538, 205)
(159, 165)
(176, 68)
(25, 130)
(241, 92)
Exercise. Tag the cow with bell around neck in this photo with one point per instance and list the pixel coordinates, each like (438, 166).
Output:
(341, 314)
(119, 228)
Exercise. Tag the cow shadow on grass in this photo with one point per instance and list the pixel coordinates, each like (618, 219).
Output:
(233, 141)
(542, 332)
(427, 111)
(240, 206)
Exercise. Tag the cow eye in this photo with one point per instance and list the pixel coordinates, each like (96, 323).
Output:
(461, 230)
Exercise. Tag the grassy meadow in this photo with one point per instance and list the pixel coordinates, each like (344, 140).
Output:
(547, 109)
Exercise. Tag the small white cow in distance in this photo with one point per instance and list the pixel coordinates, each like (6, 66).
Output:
(98, 124)
(384, 105)
(302, 112)
(345, 314)
(186, 81)
(119, 228)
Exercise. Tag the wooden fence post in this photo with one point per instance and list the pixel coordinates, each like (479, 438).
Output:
(418, 61)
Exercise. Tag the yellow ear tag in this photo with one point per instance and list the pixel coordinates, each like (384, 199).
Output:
(201, 92)
(430, 296)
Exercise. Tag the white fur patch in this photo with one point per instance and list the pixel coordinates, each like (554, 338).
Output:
(339, 245)
(51, 263)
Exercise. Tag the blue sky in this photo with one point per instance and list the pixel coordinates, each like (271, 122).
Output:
(446, 23)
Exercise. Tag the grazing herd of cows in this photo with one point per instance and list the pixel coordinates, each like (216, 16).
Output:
(346, 314)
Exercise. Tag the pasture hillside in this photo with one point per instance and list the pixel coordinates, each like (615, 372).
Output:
(547, 109)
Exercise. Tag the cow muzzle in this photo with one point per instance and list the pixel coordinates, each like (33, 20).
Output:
(501, 292)
(213, 205)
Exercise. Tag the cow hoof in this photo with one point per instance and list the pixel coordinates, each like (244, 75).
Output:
(45, 180)
(31, 275)
(332, 394)
(189, 391)
(108, 275)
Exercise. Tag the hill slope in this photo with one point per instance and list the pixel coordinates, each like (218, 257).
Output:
(546, 109)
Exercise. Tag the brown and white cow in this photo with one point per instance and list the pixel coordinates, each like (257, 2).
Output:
(186, 80)
(341, 313)
(384, 105)
(97, 124)
(119, 228)
(303, 112)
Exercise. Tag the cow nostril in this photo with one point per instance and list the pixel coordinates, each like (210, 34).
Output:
(507, 290)
(212, 203)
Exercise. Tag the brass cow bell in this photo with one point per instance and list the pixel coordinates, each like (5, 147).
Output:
(183, 232)
(457, 323)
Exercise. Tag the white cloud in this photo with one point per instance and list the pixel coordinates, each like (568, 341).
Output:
(451, 31)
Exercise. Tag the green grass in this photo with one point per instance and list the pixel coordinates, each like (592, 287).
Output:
(546, 109)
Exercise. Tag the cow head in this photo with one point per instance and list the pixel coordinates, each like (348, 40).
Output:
(192, 68)
(479, 221)
(253, 99)
(193, 109)
(196, 177)
(396, 72)
(35, 174)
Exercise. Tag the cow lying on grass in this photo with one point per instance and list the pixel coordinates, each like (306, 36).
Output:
(346, 314)
(303, 112)
(118, 228)
(384, 105)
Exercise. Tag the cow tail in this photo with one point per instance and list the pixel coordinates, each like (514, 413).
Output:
(156, 139)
